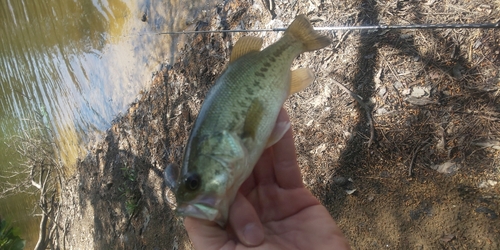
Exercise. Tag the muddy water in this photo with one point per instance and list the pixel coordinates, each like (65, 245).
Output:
(76, 64)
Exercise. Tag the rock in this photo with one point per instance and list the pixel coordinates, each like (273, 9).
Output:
(489, 213)
(420, 101)
(405, 36)
(457, 71)
(382, 111)
(492, 182)
(347, 134)
(477, 44)
(371, 198)
(319, 149)
(414, 214)
(340, 180)
(350, 191)
(447, 238)
(369, 56)
(488, 144)
(424, 208)
(382, 91)
(398, 85)
(482, 185)
(488, 183)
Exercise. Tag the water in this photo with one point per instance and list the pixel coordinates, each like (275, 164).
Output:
(78, 63)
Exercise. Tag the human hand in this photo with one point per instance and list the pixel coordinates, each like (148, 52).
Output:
(273, 209)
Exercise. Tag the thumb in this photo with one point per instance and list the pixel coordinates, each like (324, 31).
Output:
(245, 222)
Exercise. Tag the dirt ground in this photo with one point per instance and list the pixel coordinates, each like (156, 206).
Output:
(416, 165)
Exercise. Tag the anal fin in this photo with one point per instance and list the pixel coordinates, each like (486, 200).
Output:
(300, 79)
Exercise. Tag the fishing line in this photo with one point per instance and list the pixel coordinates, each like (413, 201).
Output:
(371, 27)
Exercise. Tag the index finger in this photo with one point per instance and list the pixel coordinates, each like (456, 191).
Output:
(286, 168)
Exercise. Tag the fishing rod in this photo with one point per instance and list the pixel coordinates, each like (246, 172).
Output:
(370, 27)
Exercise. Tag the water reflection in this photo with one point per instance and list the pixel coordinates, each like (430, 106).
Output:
(77, 63)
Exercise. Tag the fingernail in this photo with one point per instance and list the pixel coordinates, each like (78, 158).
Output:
(253, 234)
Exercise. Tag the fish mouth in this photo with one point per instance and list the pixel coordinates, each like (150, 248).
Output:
(202, 207)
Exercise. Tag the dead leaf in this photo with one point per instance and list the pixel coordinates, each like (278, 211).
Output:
(434, 75)
(448, 167)
(377, 79)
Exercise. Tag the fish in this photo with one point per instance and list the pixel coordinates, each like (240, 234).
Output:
(238, 121)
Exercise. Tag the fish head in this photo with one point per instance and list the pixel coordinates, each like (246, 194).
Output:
(204, 186)
(201, 194)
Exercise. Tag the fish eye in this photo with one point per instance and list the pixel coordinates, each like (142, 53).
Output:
(192, 182)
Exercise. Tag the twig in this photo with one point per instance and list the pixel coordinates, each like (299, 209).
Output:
(373, 177)
(415, 151)
(359, 99)
(66, 223)
(342, 38)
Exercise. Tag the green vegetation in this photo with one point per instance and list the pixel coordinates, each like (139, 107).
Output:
(129, 190)
(9, 238)
(131, 206)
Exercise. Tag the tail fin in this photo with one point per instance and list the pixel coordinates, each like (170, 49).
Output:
(302, 29)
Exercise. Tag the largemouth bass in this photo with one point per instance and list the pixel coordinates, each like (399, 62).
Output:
(237, 121)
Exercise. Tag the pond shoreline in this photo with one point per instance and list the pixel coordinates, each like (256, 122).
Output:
(117, 192)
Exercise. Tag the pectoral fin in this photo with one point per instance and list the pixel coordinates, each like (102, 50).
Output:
(300, 79)
(253, 119)
(244, 46)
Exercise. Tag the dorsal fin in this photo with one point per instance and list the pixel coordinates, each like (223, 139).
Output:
(300, 79)
(244, 46)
